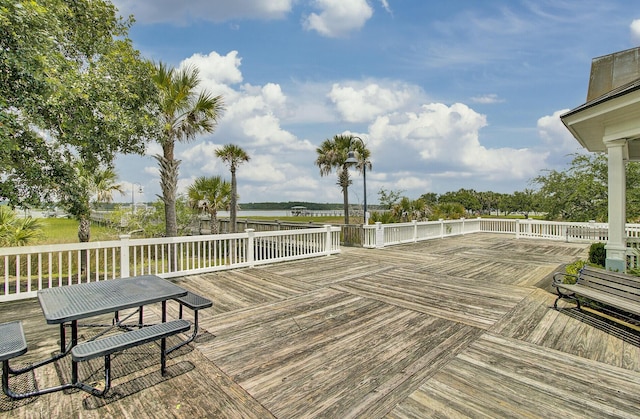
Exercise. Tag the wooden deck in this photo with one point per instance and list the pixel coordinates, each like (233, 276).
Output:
(457, 327)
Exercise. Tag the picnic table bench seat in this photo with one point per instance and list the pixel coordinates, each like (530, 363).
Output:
(12, 345)
(615, 289)
(194, 302)
(12, 340)
(115, 343)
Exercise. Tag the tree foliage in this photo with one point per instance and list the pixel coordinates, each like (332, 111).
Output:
(16, 231)
(332, 154)
(71, 86)
(578, 193)
(185, 112)
(233, 156)
(210, 194)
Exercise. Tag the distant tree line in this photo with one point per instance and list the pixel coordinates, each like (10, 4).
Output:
(578, 193)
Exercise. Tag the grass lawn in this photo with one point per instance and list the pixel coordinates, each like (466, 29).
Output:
(65, 230)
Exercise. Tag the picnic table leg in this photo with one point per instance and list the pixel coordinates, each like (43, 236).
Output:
(63, 338)
(74, 342)
(163, 342)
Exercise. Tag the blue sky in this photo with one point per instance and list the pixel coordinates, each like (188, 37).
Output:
(446, 95)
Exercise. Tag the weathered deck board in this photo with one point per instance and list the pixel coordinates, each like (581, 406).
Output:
(461, 300)
(452, 327)
(525, 381)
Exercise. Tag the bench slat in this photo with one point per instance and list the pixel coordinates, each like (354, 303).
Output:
(194, 301)
(114, 343)
(622, 303)
(612, 277)
(12, 340)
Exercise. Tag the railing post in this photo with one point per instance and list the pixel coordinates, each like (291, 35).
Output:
(462, 232)
(415, 230)
(517, 229)
(124, 255)
(328, 243)
(379, 235)
(441, 227)
(251, 233)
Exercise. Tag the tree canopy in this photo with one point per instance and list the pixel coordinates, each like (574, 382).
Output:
(71, 86)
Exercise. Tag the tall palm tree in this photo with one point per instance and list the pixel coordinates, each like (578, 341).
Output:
(212, 194)
(333, 154)
(233, 155)
(184, 114)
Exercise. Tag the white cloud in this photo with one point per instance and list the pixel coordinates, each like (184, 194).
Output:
(216, 68)
(487, 99)
(364, 103)
(385, 5)
(154, 11)
(252, 121)
(555, 135)
(635, 30)
(448, 136)
(338, 17)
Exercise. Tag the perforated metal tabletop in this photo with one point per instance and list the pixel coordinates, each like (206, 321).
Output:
(78, 301)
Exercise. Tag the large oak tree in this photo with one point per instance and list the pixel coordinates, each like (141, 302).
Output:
(72, 88)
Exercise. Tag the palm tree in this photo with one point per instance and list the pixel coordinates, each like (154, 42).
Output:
(99, 183)
(212, 194)
(184, 114)
(233, 156)
(333, 153)
(16, 231)
(105, 183)
(89, 182)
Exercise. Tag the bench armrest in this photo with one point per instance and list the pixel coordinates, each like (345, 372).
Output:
(558, 278)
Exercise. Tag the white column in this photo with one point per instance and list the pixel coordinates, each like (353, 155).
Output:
(617, 244)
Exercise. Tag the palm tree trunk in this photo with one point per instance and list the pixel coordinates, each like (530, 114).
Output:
(234, 197)
(343, 181)
(84, 235)
(215, 228)
(169, 185)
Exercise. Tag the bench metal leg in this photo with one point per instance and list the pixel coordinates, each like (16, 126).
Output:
(562, 295)
(193, 335)
(18, 396)
(107, 381)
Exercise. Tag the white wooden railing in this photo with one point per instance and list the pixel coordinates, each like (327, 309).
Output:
(381, 235)
(27, 269)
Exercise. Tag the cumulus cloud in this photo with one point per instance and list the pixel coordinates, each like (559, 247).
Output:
(364, 103)
(555, 135)
(446, 139)
(338, 17)
(252, 120)
(155, 11)
(635, 30)
(216, 68)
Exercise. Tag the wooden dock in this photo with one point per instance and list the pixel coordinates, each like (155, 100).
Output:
(455, 327)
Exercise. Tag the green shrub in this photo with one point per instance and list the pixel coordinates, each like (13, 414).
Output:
(573, 269)
(597, 254)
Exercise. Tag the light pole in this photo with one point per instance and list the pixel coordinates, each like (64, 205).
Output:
(133, 189)
(351, 159)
